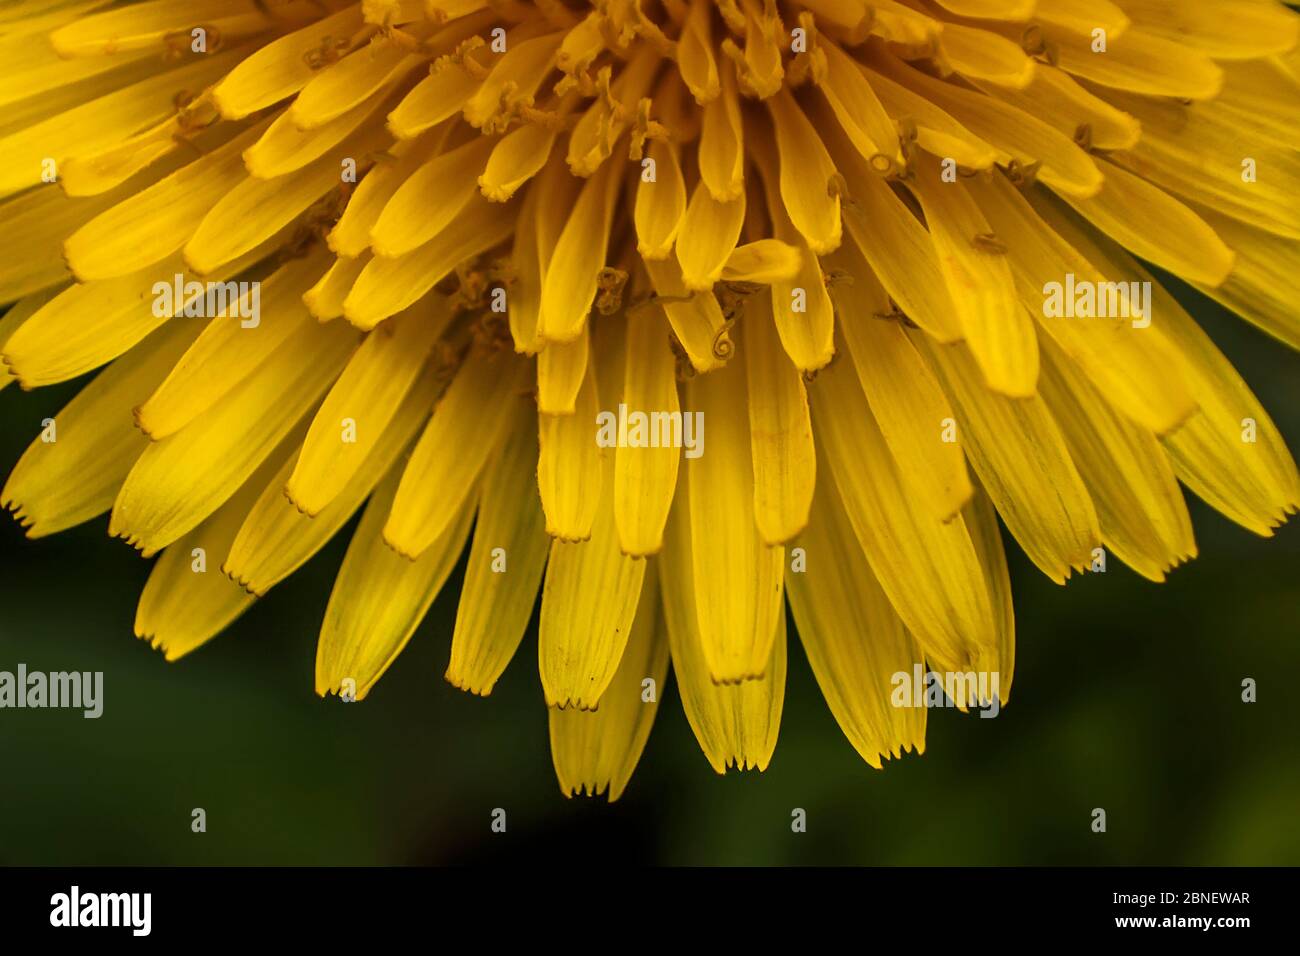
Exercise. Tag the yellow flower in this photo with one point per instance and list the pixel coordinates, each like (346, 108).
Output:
(684, 306)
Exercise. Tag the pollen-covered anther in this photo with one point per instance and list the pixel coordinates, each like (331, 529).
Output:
(836, 277)
(609, 290)
(194, 113)
(644, 128)
(329, 52)
(1021, 174)
(461, 57)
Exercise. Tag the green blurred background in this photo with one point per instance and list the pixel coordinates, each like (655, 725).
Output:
(1127, 696)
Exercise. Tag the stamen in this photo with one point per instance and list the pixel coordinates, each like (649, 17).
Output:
(684, 370)
(609, 286)
(330, 51)
(644, 128)
(1022, 175)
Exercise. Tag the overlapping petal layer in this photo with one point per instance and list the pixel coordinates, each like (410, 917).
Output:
(870, 271)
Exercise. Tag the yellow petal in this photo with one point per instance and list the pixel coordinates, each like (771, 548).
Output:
(593, 137)
(358, 411)
(35, 70)
(697, 319)
(505, 562)
(89, 324)
(595, 751)
(1228, 30)
(1137, 60)
(801, 306)
(379, 599)
(351, 234)
(514, 78)
(854, 640)
(737, 576)
(781, 442)
(1014, 133)
(982, 524)
(898, 249)
(569, 288)
(1252, 482)
(1205, 156)
(1264, 284)
(465, 429)
(1263, 98)
(285, 148)
(430, 200)
(1083, 16)
(1117, 352)
(570, 469)
(230, 347)
(936, 131)
(283, 66)
(258, 208)
(808, 176)
(438, 97)
(561, 367)
(709, 232)
(387, 286)
(516, 158)
(187, 600)
(153, 25)
(857, 107)
(763, 261)
(1170, 234)
(541, 220)
(722, 143)
(929, 569)
(100, 122)
(645, 475)
(276, 539)
(325, 299)
(984, 55)
(695, 58)
(152, 224)
(660, 203)
(181, 480)
(589, 600)
(350, 82)
(12, 320)
(906, 400)
(1140, 508)
(38, 221)
(735, 724)
(1059, 101)
(990, 9)
(74, 478)
(974, 266)
(1016, 448)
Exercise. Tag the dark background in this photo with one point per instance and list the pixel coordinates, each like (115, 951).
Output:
(1127, 696)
